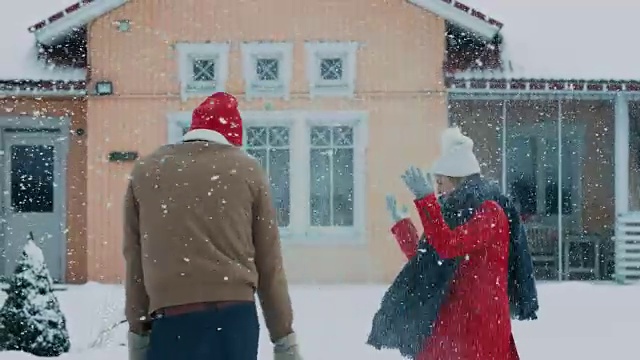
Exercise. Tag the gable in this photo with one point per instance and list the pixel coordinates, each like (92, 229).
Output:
(24, 68)
(462, 15)
(56, 27)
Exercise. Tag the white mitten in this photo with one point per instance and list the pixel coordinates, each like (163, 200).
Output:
(138, 346)
(287, 348)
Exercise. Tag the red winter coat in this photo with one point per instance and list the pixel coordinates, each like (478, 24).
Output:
(474, 321)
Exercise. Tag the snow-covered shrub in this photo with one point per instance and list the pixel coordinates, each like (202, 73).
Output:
(30, 319)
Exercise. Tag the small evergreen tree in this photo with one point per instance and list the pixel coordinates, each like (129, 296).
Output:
(30, 319)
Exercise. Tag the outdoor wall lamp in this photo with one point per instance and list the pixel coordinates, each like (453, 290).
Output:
(104, 88)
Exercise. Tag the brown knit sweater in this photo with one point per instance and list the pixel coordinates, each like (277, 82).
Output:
(199, 226)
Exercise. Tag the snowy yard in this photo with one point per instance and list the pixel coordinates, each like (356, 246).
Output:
(578, 320)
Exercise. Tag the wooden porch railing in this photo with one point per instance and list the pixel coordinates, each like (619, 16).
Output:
(627, 245)
(581, 253)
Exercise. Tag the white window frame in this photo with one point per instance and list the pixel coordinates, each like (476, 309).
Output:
(188, 52)
(357, 120)
(318, 50)
(283, 52)
(299, 231)
(267, 119)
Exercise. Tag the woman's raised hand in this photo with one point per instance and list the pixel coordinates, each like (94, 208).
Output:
(392, 207)
(417, 182)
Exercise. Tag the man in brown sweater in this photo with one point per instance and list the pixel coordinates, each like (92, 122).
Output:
(200, 238)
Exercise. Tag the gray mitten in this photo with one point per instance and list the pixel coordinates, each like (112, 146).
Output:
(392, 207)
(418, 183)
(287, 348)
(138, 346)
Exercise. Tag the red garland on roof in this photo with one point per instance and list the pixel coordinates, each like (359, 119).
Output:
(542, 85)
(41, 85)
(59, 15)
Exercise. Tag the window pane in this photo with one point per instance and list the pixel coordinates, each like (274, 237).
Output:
(571, 174)
(521, 161)
(332, 181)
(549, 158)
(267, 69)
(343, 136)
(270, 146)
(204, 70)
(256, 136)
(321, 136)
(278, 136)
(279, 178)
(32, 178)
(343, 187)
(320, 168)
(331, 69)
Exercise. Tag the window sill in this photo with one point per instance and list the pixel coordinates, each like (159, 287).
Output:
(332, 91)
(191, 90)
(191, 93)
(266, 91)
(323, 237)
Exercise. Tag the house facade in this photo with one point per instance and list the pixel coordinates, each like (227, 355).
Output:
(337, 99)
(327, 110)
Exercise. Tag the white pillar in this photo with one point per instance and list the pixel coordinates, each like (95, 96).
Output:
(561, 248)
(505, 189)
(621, 159)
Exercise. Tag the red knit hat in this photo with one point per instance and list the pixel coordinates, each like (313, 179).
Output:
(219, 112)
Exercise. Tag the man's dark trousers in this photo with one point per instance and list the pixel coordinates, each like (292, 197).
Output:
(228, 333)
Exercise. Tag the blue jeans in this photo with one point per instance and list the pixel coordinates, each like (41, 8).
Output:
(230, 333)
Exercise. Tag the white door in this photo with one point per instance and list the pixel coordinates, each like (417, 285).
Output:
(33, 200)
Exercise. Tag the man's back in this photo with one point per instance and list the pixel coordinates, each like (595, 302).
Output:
(200, 238)
(195, 218)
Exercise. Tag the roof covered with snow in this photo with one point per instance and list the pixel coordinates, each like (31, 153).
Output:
(569, 39)
(18, 46)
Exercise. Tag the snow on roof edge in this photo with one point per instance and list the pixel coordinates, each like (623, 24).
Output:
(19, 47)
(462, 15)
(56, 26)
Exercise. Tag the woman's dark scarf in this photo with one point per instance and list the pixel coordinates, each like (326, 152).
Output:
(410, 306)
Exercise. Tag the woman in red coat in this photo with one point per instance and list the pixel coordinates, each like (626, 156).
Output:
(473, 321)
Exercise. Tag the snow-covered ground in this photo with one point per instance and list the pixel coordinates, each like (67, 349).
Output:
(577, 321)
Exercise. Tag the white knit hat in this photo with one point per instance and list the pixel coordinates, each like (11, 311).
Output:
(456, 155)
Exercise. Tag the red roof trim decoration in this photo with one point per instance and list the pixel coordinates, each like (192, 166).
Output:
(602, 86)
(473, 12)
(59, 15)
(41, 85)
(462, 15)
